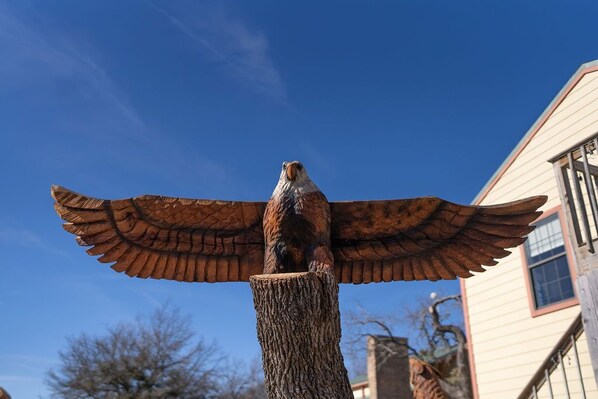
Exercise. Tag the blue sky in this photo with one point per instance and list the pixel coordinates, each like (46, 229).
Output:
(206, 99)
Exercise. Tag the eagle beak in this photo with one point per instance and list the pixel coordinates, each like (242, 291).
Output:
(291, 171)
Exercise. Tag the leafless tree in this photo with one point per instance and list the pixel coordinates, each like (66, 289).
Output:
(154, 357)
(239, 383)
(433, 336)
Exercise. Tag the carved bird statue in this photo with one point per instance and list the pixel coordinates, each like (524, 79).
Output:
(425, 380)
(199, 240)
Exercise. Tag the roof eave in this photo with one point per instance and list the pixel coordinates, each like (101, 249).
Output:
(582, 70)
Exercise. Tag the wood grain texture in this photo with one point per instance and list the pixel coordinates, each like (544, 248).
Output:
(424, 238)
(425, 380)
(297, 232)
(299, 329)
(587, 286)
(366, 241)
(168, 238)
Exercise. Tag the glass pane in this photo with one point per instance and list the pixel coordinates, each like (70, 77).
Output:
(552, 282)
(562, 267)
(545, 241)
(538, 275)
(550, 271)
(554, 291)
(539, 284)
(567, 287)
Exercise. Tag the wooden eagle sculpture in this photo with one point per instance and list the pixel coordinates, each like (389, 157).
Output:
(297, 230)
(425, 380)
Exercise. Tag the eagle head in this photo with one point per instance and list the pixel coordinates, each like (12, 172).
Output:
(293, 172)
(293, 176)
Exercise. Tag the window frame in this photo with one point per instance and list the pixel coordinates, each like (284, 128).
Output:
(535, 312)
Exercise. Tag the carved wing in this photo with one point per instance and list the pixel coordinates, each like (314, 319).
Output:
(424, 238)
(168, 238)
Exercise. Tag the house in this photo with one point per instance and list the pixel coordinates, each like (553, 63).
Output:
(523, 316)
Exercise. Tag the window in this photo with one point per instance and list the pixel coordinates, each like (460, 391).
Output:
(547, 263)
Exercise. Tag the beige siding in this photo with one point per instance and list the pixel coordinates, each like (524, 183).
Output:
(557, 381)
(509, 345)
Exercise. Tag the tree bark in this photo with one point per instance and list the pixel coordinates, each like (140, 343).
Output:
(298, 327)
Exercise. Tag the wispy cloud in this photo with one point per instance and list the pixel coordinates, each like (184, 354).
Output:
(6, 379)
(319, 160)
(20, 370)
(41, 59)
(227, 40)
(36, 55)
(26, 362)
(23, 237)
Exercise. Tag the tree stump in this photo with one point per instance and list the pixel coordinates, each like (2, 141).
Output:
(298, 327)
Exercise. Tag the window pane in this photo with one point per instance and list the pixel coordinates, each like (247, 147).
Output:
(552, 282)
(539, 284)
(538, 276)
(545, 253)
(562, 267)
(567, 287)
(545, 241)
(550, 272)
(554, 291)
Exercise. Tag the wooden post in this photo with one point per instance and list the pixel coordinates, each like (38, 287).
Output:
(586, 267)
(587, 287)
(298, 327)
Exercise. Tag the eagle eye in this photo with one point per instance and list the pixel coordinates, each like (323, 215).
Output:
(299, 166)
(284, 165)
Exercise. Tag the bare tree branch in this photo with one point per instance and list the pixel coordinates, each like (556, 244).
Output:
(432, 334)
(154, 357)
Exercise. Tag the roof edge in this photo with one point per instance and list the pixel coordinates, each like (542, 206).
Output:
(585, 68)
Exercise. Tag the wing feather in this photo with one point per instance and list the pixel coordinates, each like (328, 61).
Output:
(368, 271)
(376, 271)
(347, 267)
(137, 265)
(126, 260)
(200, 269)
(116, 252)
(150, 265)
(222, 269)
(462, 257)
(181, 267)
(170, 270)
(103, 247)
(455, 267)
(233, 269)
(158, 271)
(191, 268)
(397, 269)
(406, 269)
(428, 268)
(165, 237)
(425, 238)
(387, 270)
(357, 272)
